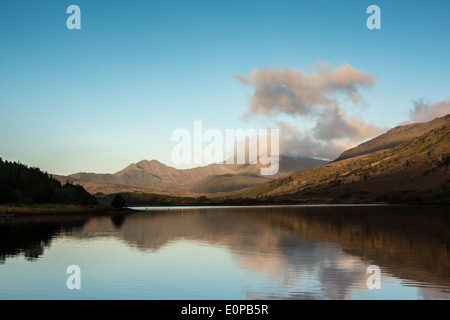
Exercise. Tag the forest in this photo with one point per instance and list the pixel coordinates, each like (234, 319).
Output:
(20, 184)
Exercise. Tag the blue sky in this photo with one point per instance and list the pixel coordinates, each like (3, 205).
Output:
(100, 98)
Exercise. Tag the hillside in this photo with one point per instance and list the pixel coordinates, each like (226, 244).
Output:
(394, 137)
(228, 182)
(101, 188)
(418, 167)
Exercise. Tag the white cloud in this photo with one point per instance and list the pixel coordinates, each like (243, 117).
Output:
(294, 92)
(312, 96)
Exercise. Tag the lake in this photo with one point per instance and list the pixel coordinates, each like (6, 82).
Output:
(236, 253)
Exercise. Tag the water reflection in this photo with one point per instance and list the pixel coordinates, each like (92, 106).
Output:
(294, 252)
(31, 235)
(410, 243)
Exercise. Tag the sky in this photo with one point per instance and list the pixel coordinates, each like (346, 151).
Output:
(113, 92)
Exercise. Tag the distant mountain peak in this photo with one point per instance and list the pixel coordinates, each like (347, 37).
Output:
(153, 161)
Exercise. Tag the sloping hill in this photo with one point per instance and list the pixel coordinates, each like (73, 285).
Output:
(101, 188)
(420, 164)
(394, 137)
(228, 182)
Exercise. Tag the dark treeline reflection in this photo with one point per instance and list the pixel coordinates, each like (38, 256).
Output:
(30, 236)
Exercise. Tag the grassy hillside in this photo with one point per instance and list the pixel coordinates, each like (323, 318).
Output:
(394, 137)
(416, 168)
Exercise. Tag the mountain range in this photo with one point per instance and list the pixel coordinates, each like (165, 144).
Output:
(156, 177)
(410, 160)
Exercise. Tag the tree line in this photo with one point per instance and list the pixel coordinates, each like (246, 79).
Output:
(20, 184)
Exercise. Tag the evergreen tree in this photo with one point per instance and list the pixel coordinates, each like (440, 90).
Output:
(118, 201)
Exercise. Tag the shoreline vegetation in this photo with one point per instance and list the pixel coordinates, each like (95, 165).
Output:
(50, 209)
(308, 198)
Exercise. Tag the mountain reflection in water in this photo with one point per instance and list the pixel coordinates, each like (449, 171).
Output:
(317, 252)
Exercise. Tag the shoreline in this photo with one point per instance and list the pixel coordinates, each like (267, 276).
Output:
(7, 211)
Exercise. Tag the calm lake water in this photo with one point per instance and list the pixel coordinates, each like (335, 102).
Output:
(296, 252)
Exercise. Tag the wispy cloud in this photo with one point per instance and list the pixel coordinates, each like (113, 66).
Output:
(335, 124)
(424, 111)
(295, 142)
